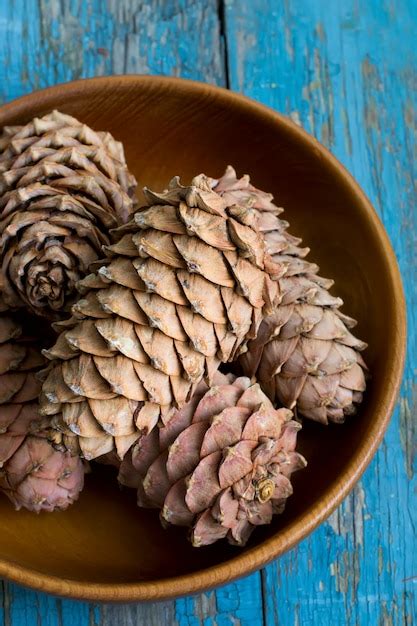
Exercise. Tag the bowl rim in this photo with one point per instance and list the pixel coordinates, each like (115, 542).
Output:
(256, 557)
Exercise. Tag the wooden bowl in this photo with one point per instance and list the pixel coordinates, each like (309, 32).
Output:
(104, 547)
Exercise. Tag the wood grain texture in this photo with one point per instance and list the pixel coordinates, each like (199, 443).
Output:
(44, 42)
(348, 76)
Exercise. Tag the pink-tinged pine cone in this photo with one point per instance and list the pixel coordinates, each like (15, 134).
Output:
(221, 466)
(32, 473)
(304, 355)
(39, 478)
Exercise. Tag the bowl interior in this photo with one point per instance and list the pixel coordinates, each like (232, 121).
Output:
(175, 128)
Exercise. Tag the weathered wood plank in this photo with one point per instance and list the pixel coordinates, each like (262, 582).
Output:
(347, 72)
(155, 614)
(23, 607)
(43, 42)
(237, 604)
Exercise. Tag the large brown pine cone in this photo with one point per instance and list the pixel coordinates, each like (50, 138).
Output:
(62, 187)
(184, 288)
(304, 356)
(221, 466)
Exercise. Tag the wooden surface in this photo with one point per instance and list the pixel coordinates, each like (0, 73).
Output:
(346, 71)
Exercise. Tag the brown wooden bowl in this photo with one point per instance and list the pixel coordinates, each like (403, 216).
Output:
(104, 547)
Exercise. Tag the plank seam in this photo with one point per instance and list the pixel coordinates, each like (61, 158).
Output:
(221, 13)
(6, 602)
(263, 597)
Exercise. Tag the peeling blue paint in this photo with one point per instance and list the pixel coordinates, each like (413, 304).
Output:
(347, 73)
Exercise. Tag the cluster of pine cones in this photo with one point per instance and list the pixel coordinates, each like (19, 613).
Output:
(115, 320)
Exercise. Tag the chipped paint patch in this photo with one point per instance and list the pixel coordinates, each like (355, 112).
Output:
(408, 428)
(380, 560)
(295, 116)
(386, 618)
(348, 520)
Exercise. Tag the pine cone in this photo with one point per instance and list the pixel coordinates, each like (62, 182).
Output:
(304, 355)
(221, 466)
(62, 187)
(184, 288)
(20, 361)
(33, 475)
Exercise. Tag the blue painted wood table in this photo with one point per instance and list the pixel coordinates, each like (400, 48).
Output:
(347, 72)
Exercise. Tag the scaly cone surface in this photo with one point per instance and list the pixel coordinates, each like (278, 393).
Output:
(20, 361)
(62, 187)
(222, 465)
(304, 356)
(32, 473)
(184, 287)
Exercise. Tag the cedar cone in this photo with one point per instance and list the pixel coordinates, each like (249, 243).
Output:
(304, 356)
(33, 474)
(62, 187)
(221, 466)
(184, 287)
